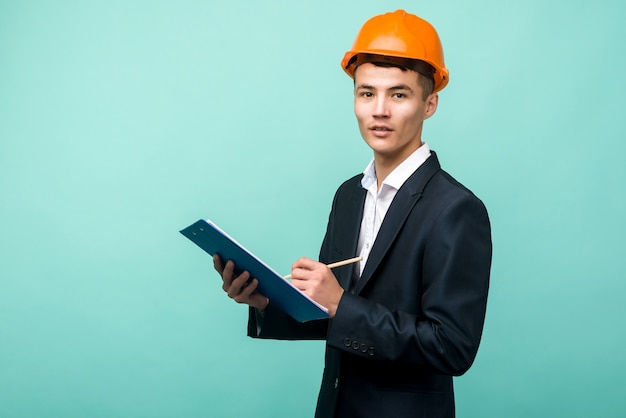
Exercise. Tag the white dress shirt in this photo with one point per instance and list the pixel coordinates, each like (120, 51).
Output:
(377, 202)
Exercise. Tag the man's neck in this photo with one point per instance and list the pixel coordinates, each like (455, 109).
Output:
(385, 165)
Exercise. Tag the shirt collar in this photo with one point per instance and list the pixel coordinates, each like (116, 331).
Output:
(401, 173)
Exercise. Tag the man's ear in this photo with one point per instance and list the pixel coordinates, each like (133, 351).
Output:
(431, 105)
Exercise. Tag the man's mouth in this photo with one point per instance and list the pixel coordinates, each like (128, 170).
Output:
(381, 128)
(381, 131)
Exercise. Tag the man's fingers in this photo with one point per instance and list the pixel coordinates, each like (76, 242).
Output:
(237, 286)
(245, 291)
(299, 284)
(305, 263)
(217, 264)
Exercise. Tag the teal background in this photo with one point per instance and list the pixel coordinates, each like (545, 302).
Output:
(122, 122)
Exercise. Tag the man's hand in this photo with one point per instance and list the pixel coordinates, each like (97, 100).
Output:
(317, 281)
(239, 288)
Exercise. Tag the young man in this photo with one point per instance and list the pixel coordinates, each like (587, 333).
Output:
(410, 315)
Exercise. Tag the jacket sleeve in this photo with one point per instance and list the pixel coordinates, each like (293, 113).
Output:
(444, 332)
(274, 323)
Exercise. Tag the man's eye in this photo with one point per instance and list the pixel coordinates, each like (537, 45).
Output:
(367, 94)
(399, 95)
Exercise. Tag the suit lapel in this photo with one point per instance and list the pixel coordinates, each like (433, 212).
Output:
(351, 227)
(404, 201)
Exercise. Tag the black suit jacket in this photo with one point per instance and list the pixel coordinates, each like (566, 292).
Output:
(415, 316)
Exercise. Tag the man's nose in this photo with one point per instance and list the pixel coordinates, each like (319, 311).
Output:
(381, 108)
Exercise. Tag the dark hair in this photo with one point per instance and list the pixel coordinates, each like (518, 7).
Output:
(425, 71)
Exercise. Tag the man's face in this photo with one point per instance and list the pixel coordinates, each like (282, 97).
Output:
(389, 107)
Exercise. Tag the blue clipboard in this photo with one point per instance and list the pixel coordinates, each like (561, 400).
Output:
(208, 236)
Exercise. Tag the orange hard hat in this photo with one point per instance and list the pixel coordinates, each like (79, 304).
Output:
(402, 35)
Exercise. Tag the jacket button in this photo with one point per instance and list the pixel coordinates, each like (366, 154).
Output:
(355, 345)
(363, 348)
(347, 342)
(336, 382)
(371, 351)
